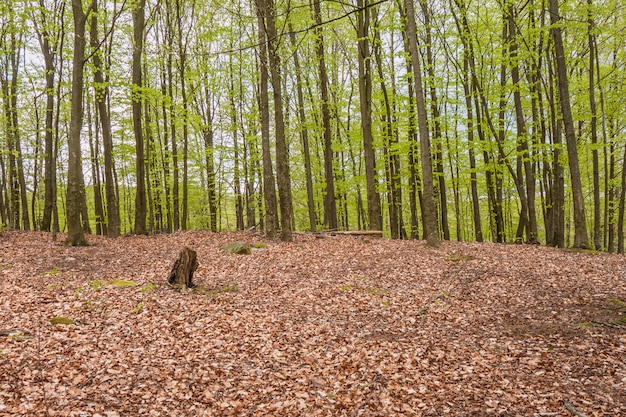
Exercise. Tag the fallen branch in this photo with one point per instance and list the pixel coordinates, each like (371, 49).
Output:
(371, 233)
(570, 407)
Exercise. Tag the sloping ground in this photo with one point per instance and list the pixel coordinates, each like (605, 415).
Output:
(333, 326)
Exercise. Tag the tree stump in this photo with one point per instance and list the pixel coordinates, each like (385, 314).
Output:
(181, 274)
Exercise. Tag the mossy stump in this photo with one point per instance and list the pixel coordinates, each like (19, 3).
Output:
(181, 275)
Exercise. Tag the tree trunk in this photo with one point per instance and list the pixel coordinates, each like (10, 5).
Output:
(94, 149)
(434, 108)
(137, 99)
(304, 134)
(269, 184)
(182, 68)
(365, 95)
(282, 155)
(101, 92)
(330, 205)
(622, 208)
(597, 216)
(414, 179)
(387, 119)
(75, 199)
(429, 214)
(581, 239)
(236, 159)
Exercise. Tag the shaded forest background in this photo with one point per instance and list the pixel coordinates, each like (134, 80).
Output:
(494, 120)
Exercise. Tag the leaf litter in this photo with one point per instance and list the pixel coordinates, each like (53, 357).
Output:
(324, 326)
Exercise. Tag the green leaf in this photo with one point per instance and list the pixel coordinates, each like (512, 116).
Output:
(61, 320)
(121, 283)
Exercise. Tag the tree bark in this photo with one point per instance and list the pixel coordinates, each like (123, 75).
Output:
(524, 157)
(365, 95)
(304, 136)
(269, 182)
(597, 216)
(181, 275)
(282, 155)
(101, 92)
(75, 198)
(434, 108)
(330, 205)
(137, 100)
(429, 214)
(581, 239)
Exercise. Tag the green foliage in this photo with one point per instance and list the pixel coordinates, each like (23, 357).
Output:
(61, 320)
(217, 292)
(96, 284)
(54, 287)
(138, 308)
(121, 283)
(238, 248)
(148, 287)
(457, 257)
(54, 271)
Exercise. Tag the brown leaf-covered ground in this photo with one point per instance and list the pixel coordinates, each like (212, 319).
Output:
(324, 326)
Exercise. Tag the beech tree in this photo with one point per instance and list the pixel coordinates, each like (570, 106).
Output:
(473, 121)
(75, 200)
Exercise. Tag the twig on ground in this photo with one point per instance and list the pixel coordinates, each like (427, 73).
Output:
(570, 407)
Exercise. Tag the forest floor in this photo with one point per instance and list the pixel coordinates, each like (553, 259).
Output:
(324, 326)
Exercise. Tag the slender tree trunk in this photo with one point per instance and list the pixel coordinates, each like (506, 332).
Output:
(304, 134)
(182, 67)
(208, 137)
(429, 214)
(94, 148)
(478, 234)
(330, 205)
(581, 239)
(165, 156)
(414, 179)
(437, 137)
(391, 178)
(75, 198)
(48, 51)
(282, 156)
(101, 92)
(269, 185)
(365, 94)
(524, 156)
(137, 100)
(597, 216)
(622, 208)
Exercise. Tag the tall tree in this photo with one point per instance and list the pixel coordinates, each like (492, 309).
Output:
(269, 184)
(429, 213)
(304, 135)
(75, 190)
(597, 219)
(101, 92)
(48, 24)
(330, 205)
(436, 121)
(581, 239)
(365, 96)
(137, 99)
(11, 38)
(282, 155)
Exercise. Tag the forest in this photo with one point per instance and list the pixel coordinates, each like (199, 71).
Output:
(491, 120)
